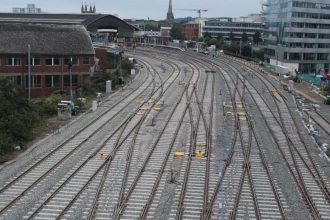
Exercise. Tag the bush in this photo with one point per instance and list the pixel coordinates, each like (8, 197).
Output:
(48, 105)
(18, 117)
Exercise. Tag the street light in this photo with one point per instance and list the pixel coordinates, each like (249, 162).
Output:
(251, 44)
(70, 68)
(29, 70)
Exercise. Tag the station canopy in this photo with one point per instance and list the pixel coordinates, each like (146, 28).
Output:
(94, 23)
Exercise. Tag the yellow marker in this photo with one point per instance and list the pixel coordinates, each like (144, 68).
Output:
(242, 118)
(140, 113)
(200, 153)
(179, 154)
(156, 109)
(241, 114)
(151, 102)
(229, 114)
(239, 106)
(138, 101)
(143, 109)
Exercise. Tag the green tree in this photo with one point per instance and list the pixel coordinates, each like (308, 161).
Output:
(213, 41)
(207, 39)
(176, 32)
(151, 27)
(233, 47)
(231, 36)
(18, 117)
(246, 50)
(220, 41)
(200, 39)
(207, 34)
(219, 37)
(245, 37)
(257, 37)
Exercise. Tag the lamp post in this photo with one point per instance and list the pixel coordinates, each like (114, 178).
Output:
(29, 71)
(251, 44)
(70, 68)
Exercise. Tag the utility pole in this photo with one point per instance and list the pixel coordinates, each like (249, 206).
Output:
(252, 49)
(70, 67)
(29, 71)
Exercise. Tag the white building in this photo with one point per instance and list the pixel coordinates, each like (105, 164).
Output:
(298, 34)
(30, 9)
(224, 26)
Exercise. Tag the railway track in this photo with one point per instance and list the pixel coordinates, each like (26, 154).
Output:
(305, 172)
(39, 179)
(176, 163)
(25, 181)
(162, 148)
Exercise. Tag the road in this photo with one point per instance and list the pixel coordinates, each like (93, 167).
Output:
(192, 137)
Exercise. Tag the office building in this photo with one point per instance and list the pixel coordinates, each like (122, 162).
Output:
(31, 8)
(298, 34)
(224, 26)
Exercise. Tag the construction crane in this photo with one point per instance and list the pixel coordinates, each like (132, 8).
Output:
(199, 11)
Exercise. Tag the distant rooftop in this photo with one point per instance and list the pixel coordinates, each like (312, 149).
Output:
(53, 39)
(31, 9)
(91, 21)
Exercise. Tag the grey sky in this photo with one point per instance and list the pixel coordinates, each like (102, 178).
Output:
(154, 9)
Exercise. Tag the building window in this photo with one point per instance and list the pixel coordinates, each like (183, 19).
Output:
(323, 56)
(294, 56)
(309, 56)
(52, 81)
(49, 81)
(74, 60)
(13, 61)
(52, 61)
(35, 61)
(86, 60)
(310, 45)
(56, 61)
(310, 35)
(16, 80)
(66, 80)
(35, 81)
(56, 81)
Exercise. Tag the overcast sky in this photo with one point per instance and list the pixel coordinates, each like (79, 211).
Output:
(154, 9)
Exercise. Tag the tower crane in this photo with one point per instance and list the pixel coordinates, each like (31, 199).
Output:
(199, 11)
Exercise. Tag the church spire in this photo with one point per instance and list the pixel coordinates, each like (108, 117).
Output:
(170, 7)
(170, 16)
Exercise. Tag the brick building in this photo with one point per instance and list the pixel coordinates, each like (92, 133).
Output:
(190, 29)
(52, 46)
(54, 39)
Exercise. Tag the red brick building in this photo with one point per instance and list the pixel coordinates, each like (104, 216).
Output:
(54, 39)
(190, 29)
(52, 47)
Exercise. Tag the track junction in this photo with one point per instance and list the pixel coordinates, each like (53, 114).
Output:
(192, 137)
